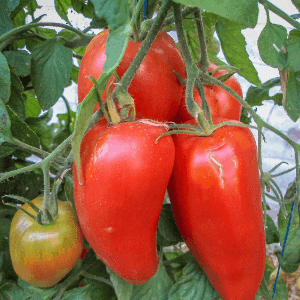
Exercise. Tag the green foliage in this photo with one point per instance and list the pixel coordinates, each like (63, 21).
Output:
(256, 94)
(116, 13)
(122, 288)
(193, 284)
(5, 21)
(245, 11)
(167, 232)
(5, 79)
(156, 288)
(292, 102)
(50, 71)
(291, 257)
(5, 123)
(61, 7)
(234, 48)
(271, 40)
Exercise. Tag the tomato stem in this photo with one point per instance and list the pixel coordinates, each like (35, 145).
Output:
(192, 76)
(204, 61)
(261, 123)
(205, 107)
(101, 104)
(27, 27)
(128, 76)
(24, 200)
(98, 278)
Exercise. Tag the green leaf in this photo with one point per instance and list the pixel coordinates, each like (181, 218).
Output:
(29, 185)
(296, 3)
(12, 4)
(293, 49)
(6, 149)
(193, 284)
(16, 101)
(19, 20)
(272, 234)
(20, 60)
(13, 291)
(209, 19)
(157, 288)
(81, 6)
(32, 106)
(5, 125)
(294, 33)
(67, 34)
(32, 6)
(22, 3)
(42, 129)
(61, 7)
(167, 231)
(291, 257)
(256, 95)
(234, 47)
(123, 289)
(50, 71)
(69, 192)
(5, 21)
(90, 292)
(22, 131)
(116, 45)
(46, 32)
(6, 268)
(116, 12)
(270, 43)
(4, 233)
(74, 74)
(35, 293)
(4, 79)
(98, 23)
(292, 102)
(78, 5)
(242, 11)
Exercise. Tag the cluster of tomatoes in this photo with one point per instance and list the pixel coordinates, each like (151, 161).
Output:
(213, 182)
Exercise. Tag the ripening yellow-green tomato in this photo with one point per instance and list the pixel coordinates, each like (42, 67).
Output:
(43, 255)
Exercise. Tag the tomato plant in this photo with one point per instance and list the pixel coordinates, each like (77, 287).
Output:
(141, 50)
(220, 102)
(155, 88)
(124, 178)
(216, 199)
(43, 255)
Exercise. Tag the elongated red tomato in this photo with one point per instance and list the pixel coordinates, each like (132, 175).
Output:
(155, 88)
(220, 102)
(124, 175)
(215, 196)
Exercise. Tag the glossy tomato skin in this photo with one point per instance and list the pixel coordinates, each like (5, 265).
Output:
(43, 255)
(155, 88)
(124, 178)
(220, 102)
(215, 196)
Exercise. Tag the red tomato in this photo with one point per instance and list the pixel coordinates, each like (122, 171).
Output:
(155, 88)
(125, 176)
(220, 102)
(216, 199)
